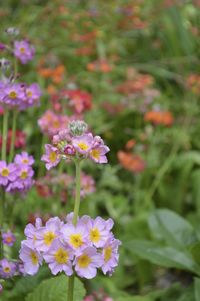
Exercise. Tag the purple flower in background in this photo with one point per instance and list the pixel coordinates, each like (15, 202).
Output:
(7, 269)
(1, 288)
(23, 51)
(51, 157)
(7, 173)
(30, 257)
(59, 258)
(110, 255)
(8, 238)
(24, 159)
(87, 185)
(13, 95)
(83, 144)
(47, 234)
(87, 262)
(33, 94)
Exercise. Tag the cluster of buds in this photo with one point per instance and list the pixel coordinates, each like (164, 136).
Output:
(75, 143)
(69, 248)
(17, 176)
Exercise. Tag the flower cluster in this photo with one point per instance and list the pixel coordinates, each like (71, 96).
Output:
(51, 123)
(74, 142)
(79, 101)
(19, 95)
(17, 176)
(66, 247)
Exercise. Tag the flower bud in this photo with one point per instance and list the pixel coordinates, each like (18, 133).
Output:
(78, 127)
(4, 64)
(12, 31)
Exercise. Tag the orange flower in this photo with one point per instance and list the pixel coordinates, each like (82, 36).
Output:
(130, 144)
(157, 117)
(131, 162)
(99, 66)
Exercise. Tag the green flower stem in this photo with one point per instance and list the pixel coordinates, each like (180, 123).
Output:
(78, 192)
(75, 219)
(2, 202)
(12, 145)
(4, 136)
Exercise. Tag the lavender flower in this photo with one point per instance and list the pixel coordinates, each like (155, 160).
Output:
(110, 255)
(7, 269)
(87, 262)
(51, 157)
(7, 173)
(23, 51)
(31, 258)
(24, 159)
(59, 258)
(8, 238)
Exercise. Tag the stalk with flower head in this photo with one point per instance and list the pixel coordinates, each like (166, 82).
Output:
(16, 177)
(78, 245)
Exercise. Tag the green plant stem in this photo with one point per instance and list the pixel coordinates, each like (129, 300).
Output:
(78, 191)
(4, 135)
(75, 219)
(12, 145)
(2, 203)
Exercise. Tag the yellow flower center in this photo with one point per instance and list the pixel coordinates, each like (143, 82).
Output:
(76, 240)
(95, 154)
(8, 239)
(22, 49)
(6, 270)
(56, 124)
(24, 174)
(34, 258)
(25, 161)
(83, 261)
(94, 235)
(107, 253)
(83, 146)
(5, 172)
(53, 157)
(49, 237)
(13, 94)
(29, 93)
(61, 256)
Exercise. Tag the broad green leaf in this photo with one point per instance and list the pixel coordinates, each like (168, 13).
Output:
(171, 227)
(197, 289)
(55, 289)
(163, 256)
(27, 284)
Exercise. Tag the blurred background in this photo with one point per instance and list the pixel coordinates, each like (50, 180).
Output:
(130, 69)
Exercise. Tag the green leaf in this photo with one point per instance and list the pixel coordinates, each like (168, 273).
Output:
(163, 256)
(55, 289)
(171, 227)
(197, 289)
(27, 284)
